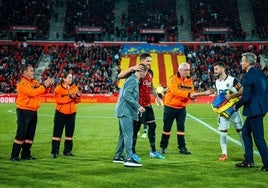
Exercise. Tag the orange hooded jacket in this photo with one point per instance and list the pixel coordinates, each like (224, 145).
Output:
(29, 94)
(64, 102)
(178, 92)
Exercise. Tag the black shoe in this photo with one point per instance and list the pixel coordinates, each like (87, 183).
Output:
(264, 169)
(245, 164)
(119, 159)
(184, 151)
(69, 154)
(15, 159)
(28, 158)
(55, 155)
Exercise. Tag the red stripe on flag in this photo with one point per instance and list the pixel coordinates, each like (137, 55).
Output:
(161, 69)
(133, 60)
(174, 62)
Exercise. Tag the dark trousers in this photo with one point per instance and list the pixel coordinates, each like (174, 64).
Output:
(253, 126)
(169, 115)
(62, 121)
(26, 122)
(151, 135)
(148, 118)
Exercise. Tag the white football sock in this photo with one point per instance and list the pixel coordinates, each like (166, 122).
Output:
(223, 142)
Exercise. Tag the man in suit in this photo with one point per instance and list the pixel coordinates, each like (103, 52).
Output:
(127, 110)
(255, 102)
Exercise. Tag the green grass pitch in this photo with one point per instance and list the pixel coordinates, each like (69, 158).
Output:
(95, 140)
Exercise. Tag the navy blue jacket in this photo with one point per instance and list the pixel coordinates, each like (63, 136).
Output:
(255, 93)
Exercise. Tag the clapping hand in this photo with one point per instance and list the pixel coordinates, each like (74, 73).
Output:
(48, 82)
(79, 93)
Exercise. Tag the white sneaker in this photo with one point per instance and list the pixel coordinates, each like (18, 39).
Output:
(132, 163)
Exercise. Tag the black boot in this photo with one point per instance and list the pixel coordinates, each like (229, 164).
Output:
(55, 148)
(15, 152)
(68, 147)
(182, 146)
(26, 152)
(164, 143)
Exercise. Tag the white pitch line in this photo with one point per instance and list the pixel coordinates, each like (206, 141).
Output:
(218, 132)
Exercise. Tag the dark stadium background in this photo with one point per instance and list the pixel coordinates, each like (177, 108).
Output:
(88, 36)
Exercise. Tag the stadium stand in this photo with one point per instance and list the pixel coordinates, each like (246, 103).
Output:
(223, 14)
(260, 14)
(11, 58)
(95, 63)
(151, 14)
(91, 66)
(25, 20)
(82, 15)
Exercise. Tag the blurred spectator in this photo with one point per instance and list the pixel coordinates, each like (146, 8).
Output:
(93, 13)
(224, 13)
(26, 13)
(203, 57)
(259, 9)
(90, 65)
(11, 59)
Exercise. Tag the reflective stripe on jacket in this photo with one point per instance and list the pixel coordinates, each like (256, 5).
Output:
(64, 103)
(29, 94)
(178, 91)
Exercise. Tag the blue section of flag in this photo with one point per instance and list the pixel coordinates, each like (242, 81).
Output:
(147, 48)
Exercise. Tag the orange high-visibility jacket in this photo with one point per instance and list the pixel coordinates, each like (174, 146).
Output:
(178, 92)
(64, 103)
(29, 94)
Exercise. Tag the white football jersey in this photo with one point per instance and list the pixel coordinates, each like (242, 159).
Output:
(229, 83)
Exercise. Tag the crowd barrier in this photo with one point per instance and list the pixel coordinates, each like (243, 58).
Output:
(92, 98)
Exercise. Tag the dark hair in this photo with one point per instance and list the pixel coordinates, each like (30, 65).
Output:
(144, 67)
(24, 67)
(64, 75)
(221, 64)
(144, 56)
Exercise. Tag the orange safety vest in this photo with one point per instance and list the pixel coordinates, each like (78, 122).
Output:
(178, 91)
(64, 103)
(29, 94)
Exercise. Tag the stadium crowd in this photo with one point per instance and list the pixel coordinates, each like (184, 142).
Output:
(92, 66)
(157, 14)
(202, 59)
(224, 13)
(35, 13)
(11, 59)
(160, 14)
(91, 14)
(260, 14)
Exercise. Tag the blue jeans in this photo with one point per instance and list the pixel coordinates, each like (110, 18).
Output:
(125, 137)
